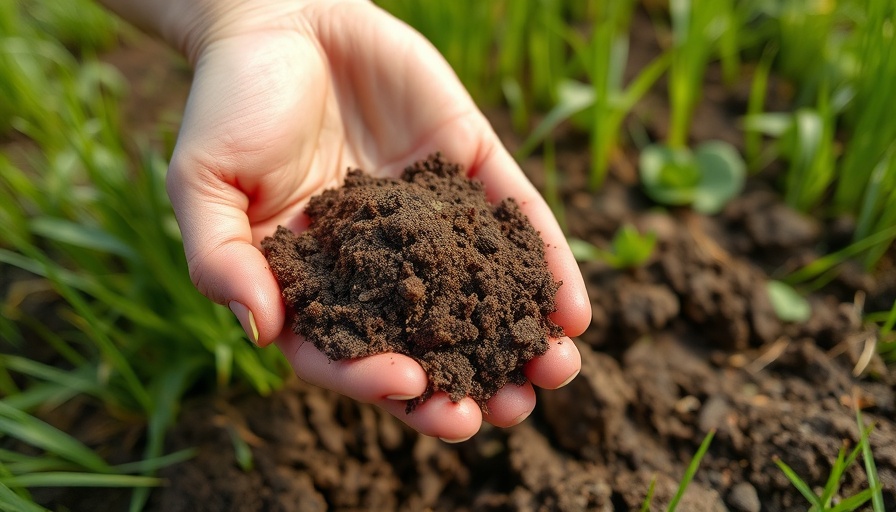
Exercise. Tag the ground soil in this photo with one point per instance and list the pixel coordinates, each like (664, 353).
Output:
(420, 265)
(681, 347)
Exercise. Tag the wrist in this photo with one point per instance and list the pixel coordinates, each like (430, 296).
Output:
(189, 26)
(192, 26)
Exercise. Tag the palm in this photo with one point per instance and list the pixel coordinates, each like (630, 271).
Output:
(282, 117)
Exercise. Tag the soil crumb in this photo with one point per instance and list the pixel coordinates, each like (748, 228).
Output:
(424, 266)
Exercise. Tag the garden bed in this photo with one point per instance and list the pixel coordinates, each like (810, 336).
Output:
(682, 346)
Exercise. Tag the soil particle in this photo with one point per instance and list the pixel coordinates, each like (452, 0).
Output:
(423, 266)
(744, 498)
(646, 307)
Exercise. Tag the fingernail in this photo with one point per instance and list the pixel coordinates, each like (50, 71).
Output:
(247, 320)
(455, 441)
(567, 381)
(519, 419)
(400, 397)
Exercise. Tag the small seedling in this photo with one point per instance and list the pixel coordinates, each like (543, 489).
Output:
(705, 179)
(628, 249)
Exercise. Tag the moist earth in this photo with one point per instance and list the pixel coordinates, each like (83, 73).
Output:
(664, 364)
(424, 266)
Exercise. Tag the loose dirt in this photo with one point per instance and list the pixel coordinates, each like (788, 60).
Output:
(422, 266)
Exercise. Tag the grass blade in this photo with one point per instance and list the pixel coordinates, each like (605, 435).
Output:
(12, 501)
(573, 97)
(31, 430)
(800, 484)
(837, 470)
(147, 466)
(645, 507)
(40, 395)
(79, 235)
(66, 379)
(874, 485)
(755, 106)
(691, 471)
(166, 393)
(853, 502)
(72, 479)
(825, 263)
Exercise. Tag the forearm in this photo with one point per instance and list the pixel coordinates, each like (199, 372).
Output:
(189, 25)
(167, 19)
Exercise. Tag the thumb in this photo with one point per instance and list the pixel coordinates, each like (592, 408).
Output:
(224, 264)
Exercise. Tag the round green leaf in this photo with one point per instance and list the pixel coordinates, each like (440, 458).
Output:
(722, 176)
(669, 176)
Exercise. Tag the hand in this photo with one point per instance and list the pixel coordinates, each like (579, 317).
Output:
(285, 98)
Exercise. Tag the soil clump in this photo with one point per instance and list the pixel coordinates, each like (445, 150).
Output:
(424, 266)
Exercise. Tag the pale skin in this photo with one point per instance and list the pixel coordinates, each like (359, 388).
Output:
(286, 96)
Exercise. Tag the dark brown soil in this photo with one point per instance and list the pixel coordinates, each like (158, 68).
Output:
(422, 266)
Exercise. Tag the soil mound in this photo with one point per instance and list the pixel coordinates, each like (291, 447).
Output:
(425, 266)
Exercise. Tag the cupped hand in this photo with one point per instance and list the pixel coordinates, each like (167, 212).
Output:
(285, 99)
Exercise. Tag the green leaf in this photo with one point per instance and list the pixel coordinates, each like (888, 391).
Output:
(669, 176)
(71, 479)
(573, 97)
(241, 450)
(78, 380)
(874, 483)
(853, 502)
(33, 431)
(147, 466)
(645, 506)
(705, 179)
(722, 176)
(800, 484)
(79, 235)
(829, 261)
(630, 248)
(788, 304)
(584, 251)
(772, 124)
(12, 501)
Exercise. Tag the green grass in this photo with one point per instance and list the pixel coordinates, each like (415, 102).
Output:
(701, 30)
(87, 217)
(499, 47)
(839, 142)
(828, 500)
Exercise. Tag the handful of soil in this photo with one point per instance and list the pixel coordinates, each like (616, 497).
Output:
(422, 266)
